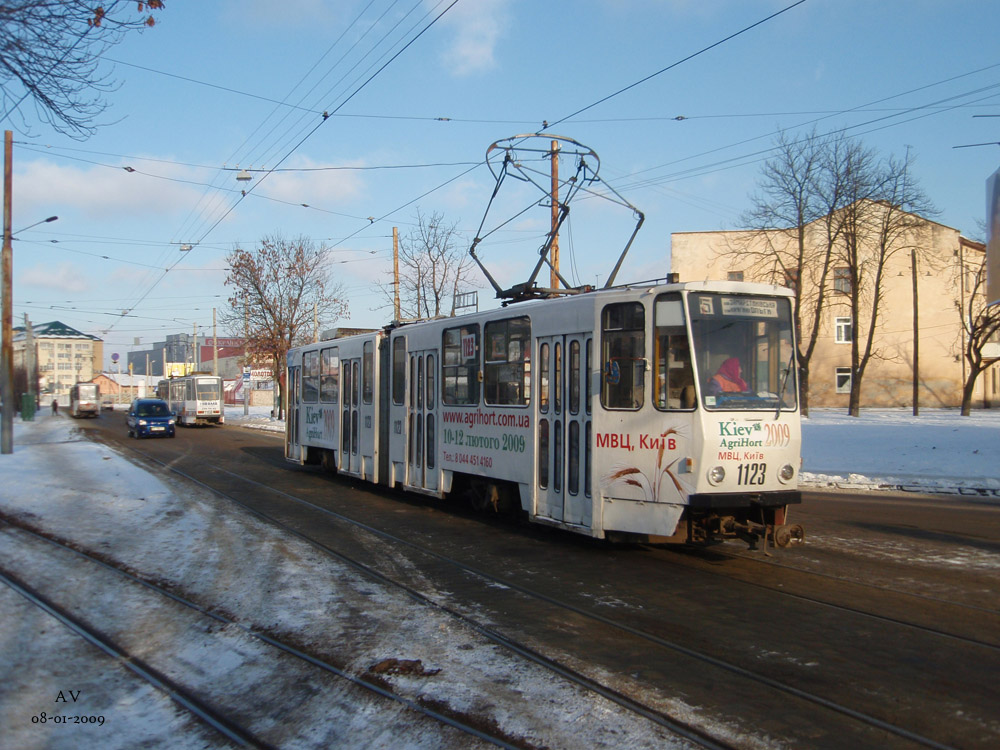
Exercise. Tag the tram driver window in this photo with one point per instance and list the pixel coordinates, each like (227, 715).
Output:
(673, 378)
(506, 372)
(460, 365)
(329, 384)
(623, 351)
(310, 377)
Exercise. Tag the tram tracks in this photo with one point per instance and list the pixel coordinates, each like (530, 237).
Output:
(236, 729)
(881, 727)
(982, 621)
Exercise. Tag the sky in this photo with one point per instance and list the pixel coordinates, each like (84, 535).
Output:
(679, 100)
(212, 550)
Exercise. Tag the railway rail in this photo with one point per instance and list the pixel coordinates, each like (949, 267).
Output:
(201, 706)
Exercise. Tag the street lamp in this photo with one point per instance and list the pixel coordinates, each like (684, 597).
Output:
(7, 324)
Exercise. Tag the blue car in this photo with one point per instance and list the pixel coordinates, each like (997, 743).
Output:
(149, 417)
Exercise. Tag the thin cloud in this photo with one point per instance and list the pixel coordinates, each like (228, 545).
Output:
(478, 28)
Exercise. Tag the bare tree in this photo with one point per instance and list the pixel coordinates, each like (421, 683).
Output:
(433, 269)
(779, 245)
(279, 289)
(50, 53)
(981, 324)
(883, 212)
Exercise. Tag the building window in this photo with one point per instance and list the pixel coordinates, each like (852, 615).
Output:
(843, 379)
(734, 276)
(843, 330)
(842, 280)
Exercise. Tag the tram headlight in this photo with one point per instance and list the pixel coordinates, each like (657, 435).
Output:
(716, 474)
(786, 473)
(142, 422)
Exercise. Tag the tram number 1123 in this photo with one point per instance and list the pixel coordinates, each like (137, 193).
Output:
(751, 474)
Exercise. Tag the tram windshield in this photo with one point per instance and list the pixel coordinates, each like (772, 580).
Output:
(208, 389)
(86, 391)
(744, 351)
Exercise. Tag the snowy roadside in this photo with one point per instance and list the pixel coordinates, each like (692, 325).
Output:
(265, 580)
(938, 451)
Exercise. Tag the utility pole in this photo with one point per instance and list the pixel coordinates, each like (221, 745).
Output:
(916, 337)
(7, 368)
(215, 346)
(395, 274)
(554, 247)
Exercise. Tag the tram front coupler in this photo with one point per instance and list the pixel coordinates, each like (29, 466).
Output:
(752, 532)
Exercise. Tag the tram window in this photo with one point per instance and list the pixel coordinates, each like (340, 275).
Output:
(329, 384)
(557, 371)
(506, 371)
(310, 377)
(543, 453)
(573, 463)
(460, 365)
(673, 378)
(430, 382)
(587, 378)
(623, 351)
(586, 461)
(543, 380)
(355, 385)
(557, 457)
(430, 441)
(574, 377)
(368, 372)
(398, 370)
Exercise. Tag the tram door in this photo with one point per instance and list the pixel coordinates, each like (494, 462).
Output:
(421, 451)
(350, 423)
(293, 448)
(564, 427)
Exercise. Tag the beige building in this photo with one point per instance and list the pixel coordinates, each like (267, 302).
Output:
(946, 263)
(64, 356)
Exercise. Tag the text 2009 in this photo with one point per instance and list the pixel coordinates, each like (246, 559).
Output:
(44, 718)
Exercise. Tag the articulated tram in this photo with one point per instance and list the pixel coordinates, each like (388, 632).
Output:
(605, 413)
(196, 398)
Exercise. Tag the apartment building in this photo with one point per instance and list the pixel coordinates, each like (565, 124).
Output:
(922, 286)
(63, 356)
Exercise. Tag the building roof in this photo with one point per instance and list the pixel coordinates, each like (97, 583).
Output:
(53, 330)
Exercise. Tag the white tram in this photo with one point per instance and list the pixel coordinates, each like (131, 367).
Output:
(594, 413)
(196, 398)
(84, 400)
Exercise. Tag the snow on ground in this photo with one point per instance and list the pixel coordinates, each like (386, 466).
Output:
(87, 493)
